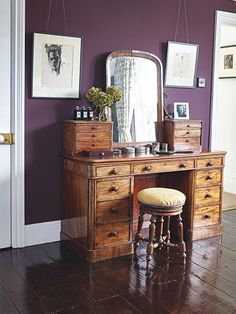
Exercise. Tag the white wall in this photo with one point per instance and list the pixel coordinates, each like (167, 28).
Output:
(225, 132)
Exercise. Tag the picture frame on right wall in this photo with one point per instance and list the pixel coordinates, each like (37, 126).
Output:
(227, 66)
(181, 110)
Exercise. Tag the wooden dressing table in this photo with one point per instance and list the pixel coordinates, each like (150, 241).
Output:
(99, 198)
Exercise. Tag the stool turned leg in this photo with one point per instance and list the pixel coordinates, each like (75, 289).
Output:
(138, 235)
(181, 244)
(150, 245)
(159, 231)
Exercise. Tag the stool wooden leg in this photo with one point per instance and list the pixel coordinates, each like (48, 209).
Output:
(159, 231)
(150, 245)
(138, 235)
(181, 244)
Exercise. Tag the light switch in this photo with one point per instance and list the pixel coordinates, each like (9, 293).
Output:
(201, 82)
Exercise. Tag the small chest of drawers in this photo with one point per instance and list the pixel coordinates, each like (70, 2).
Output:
(89, 136)
(184, 134)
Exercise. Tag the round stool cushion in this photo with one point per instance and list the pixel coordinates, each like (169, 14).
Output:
(161, 197)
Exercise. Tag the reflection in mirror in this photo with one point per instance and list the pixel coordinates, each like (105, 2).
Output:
(139, 77)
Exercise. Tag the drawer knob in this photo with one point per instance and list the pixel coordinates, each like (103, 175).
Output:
(208, 195)
(188, 126)
(93, 128)
(93, 135)
(187, 141)
(209, 177)
(114, 171)
(183, 165)
(207, 216)
(210, 164)
(147, 168)
(115, 188)
(114, 210)
(114, 233)
(188, 132)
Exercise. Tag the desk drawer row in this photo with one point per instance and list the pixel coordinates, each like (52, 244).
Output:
(155, 166)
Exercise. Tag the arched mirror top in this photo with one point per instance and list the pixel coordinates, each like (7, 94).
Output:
(139, 76)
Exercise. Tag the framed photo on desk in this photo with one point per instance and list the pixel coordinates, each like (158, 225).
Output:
(181, 110)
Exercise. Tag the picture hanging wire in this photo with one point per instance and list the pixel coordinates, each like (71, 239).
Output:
(64, 13)
(186, 21)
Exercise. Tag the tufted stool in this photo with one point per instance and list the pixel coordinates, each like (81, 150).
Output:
(160, 203)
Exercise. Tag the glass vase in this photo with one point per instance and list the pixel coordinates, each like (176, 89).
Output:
(103, 115)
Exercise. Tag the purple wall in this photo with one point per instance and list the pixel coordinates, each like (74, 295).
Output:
(105, 26)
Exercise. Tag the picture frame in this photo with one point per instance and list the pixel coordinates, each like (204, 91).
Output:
(227, 64)
(181, 64)
(181, 110)
(56, 69)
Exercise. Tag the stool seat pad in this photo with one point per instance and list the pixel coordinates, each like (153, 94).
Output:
(161, 197)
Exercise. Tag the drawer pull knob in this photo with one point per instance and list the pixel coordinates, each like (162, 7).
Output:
(207, 216)
(93, 128)
(114, 171)
(210, 164)
(147, 168)
(93, 135)
(115, 188)
(92, 144)
(208, 195)
(188, 132)
(114, 233)
(188, 126)
(209, 177)
(183, 165)
(187, 141)
(114, 210)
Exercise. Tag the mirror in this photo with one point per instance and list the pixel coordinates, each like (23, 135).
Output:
(138, 116)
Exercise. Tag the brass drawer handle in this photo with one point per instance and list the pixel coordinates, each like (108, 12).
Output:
(114, 210)
(207, 216)
(209, 164)
(208, 195)
(114, 171)
(183, 165)
(209, 177)
(147, 168)
(114, 233)
(115, 188)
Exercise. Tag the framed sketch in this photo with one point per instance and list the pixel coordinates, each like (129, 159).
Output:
(56, 66)
(181, 110)
(181, 64)
(227, 67)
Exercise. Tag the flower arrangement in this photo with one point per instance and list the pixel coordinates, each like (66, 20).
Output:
(103, 100)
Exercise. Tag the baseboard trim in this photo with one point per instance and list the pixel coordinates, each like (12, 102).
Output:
(42, 232)
(230, 184)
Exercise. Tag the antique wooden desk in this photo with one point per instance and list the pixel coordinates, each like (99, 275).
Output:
(99, 198)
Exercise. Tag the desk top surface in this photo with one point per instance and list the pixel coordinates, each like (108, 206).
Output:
(158, 157)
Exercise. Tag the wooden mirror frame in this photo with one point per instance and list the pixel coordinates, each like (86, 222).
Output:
(160, 106)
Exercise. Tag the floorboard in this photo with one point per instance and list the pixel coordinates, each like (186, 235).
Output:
(49, 278)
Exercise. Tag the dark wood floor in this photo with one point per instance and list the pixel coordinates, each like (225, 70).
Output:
(49, 279)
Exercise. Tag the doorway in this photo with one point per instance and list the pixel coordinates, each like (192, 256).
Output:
(223, 109)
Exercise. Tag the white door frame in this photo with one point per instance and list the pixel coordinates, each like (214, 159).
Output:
(18, 122)
(221, 17)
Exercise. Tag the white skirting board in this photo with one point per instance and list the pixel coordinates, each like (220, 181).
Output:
(44, 232)
(230, 184)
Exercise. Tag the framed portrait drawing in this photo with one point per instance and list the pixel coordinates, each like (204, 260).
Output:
(227, 66)
(181, 110)
(56, 66)
(181, 64)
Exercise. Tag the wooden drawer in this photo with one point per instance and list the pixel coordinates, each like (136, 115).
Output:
(207, 196)
(190, 141)
(209, 162)
(187, 133)
(188, 124)
(93, 127)
(164, 166)
(93, 136)
(93, 145)
(110, 234)
(113, 189)
(113, 170)
(206, 216)
(208, 177)
(112, 210)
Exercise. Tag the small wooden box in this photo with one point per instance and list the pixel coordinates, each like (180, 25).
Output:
(183, 135)
(86, 136)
